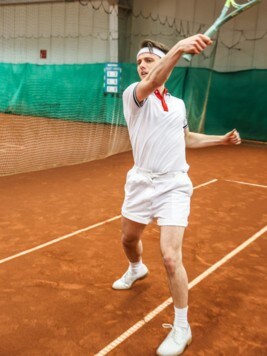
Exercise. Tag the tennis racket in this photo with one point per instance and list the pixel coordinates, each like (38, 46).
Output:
(230, 10)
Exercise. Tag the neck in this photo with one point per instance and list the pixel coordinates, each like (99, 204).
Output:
(161, 89)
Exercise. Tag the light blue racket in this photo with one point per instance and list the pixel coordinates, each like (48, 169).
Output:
(230, 10)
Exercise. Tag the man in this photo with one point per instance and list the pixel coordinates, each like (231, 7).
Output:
(158, 185)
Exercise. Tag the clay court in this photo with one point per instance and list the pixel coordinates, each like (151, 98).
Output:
(64, 155)
(61, 252)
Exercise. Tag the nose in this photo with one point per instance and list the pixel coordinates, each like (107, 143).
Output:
(142, 65)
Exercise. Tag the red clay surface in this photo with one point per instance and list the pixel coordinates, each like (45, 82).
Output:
(59, 301)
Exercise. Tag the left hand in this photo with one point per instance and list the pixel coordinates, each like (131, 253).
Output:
(231, 138)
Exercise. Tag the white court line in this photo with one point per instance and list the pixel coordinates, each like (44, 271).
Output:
(77, 232)
(58, 239)
(253, 184)
(169, 301)
(207, 183)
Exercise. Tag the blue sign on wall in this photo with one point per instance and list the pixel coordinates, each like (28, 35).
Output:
(112, 78)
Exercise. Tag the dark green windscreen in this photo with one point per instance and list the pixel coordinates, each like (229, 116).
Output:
(216, 102)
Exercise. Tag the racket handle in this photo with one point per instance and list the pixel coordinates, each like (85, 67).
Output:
(188, 57)
(211, 31)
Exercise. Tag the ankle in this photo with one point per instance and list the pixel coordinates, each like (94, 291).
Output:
(180, 318)
(135, 266)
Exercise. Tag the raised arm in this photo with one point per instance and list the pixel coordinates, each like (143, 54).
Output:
(163, 67)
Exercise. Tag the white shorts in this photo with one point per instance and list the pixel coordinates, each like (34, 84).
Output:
(154, 195)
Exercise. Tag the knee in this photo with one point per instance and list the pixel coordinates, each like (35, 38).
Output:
(172, 262)
(129, 239)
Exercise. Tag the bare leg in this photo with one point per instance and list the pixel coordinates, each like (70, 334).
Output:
(132, 245)
(131, 239)
(171, 248)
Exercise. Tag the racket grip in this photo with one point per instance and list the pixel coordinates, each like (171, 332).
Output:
(188, 57)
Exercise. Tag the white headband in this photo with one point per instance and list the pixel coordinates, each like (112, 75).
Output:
(153, 50)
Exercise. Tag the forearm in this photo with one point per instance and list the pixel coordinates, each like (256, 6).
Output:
(157, 75)
(162, 70)
(196, 140)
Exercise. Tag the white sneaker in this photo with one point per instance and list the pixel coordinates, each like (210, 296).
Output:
(128, 279)
(176, 341)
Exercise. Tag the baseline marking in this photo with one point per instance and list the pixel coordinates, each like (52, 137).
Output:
(253, 184)
(77, 232)
(169, 301)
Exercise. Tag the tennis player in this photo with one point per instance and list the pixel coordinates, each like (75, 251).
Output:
(158, 185)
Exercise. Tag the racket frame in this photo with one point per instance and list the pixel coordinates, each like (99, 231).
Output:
(223, 18)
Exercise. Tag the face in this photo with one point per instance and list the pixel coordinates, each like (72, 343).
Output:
(145, 62)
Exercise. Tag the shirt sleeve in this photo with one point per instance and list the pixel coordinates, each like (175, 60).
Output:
(131, 105)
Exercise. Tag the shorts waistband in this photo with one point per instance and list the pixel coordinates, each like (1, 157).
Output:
(151, 174)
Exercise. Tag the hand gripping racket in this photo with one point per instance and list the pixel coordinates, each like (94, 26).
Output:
(225, 16)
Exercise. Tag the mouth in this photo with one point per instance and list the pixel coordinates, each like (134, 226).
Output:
(143, 74)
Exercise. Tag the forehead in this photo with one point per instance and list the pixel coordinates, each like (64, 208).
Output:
(147, 55)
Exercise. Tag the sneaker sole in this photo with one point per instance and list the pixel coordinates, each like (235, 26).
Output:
(138, 279)
(180, 353)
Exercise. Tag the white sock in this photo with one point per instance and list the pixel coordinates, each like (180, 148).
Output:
(136, 266)
(180, 317)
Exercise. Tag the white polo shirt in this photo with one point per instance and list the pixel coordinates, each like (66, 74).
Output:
(157, 136)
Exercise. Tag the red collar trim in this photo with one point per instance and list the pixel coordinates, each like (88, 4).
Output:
(161, 98)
